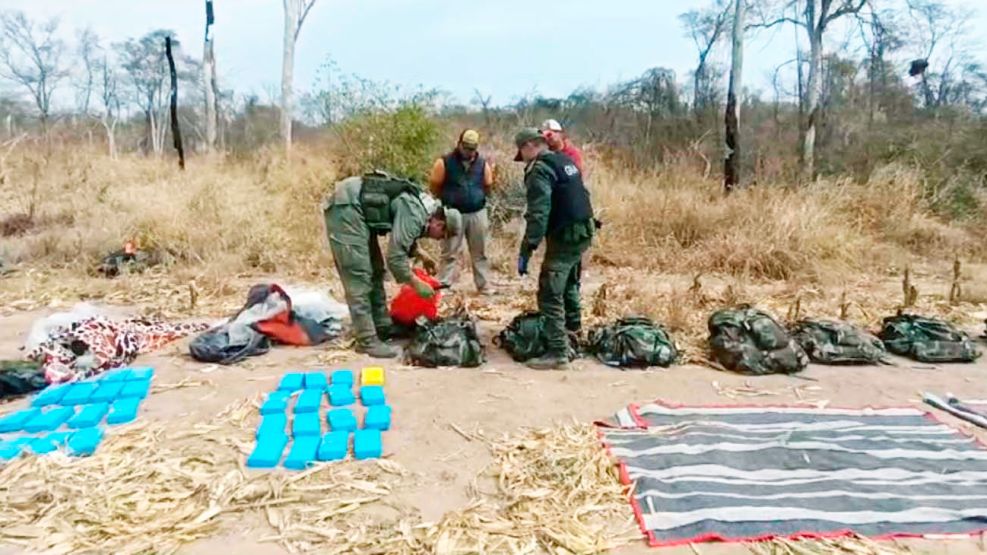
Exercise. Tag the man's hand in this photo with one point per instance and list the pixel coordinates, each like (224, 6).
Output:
(428, 263)
(423, 289)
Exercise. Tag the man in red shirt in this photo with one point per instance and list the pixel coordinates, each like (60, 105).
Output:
(558, 141)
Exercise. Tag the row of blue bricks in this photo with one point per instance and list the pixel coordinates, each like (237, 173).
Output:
(310, 400)
(308, 424)
(80, 443)
(315, 380)
(305, 450)
(121, 384)
(36, 419)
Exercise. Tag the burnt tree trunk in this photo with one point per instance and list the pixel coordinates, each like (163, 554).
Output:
(731, 167)
(175, 131)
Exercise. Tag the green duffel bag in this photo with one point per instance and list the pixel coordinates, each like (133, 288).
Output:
(837, 342)
(927, 339)
(524, 338)
(448, 342)
(749, 341)
(633, 342)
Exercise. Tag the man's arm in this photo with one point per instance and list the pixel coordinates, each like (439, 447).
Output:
(539, 188)
(488, 177)
(437, 178)
(409, 222)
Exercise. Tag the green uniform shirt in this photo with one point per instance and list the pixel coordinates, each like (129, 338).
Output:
(538, 178)
(410, 218)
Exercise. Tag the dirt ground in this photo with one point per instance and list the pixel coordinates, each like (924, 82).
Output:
(502, 397)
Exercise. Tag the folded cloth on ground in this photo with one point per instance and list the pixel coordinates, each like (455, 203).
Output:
(93, 345)
(750, 473)
(19, 377)
(270, 314)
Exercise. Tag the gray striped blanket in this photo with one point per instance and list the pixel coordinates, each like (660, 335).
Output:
(752, 473)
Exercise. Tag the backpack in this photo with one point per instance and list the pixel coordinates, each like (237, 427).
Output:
(836, 342)
(927, 339)
(524, 338)
(634, 342)
(750, 341)
(449, 342)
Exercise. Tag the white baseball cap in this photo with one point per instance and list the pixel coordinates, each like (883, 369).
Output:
(551, 125)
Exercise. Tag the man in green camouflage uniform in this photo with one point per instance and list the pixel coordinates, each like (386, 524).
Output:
(559, 211)
(361, 209)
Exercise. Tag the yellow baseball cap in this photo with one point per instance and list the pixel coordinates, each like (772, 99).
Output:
(470, 138)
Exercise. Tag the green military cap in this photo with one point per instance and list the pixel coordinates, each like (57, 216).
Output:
(525, 135)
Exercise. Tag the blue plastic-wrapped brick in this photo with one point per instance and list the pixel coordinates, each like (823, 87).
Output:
(371, 395)
(377, 418)
(107, 392)
(89, 415)
(292, 382)
(341, 420)
(50, 395)
(340, 395)
(49, 420)
(135, 389)
(141, 374)
(342, 377)
(302, 453)
(277, 401)
(334, 446)
(47, 444)
(123, 411)
(273, 424)
(306, 424)
(85, 441)
(14, 422)
(309, 401)
(79, 393)
(267, 452)
(367, 444)
(315, 380)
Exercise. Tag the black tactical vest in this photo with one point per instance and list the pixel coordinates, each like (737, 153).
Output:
(462, 189)
(570, 199)
(376, 194)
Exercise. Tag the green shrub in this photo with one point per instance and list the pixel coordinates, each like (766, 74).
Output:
(402, 140)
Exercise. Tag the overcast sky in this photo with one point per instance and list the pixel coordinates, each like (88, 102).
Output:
(507, 48)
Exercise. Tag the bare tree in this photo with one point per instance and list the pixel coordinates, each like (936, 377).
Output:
(107, 80)
(31, 56)
(295, 12)
(87, 49)
(939, 32)
(706, 28)
(144, 62)
(209, 79)
(484, 103)
(731, 166)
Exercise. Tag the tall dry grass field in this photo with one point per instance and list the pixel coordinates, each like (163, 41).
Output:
(226, 217)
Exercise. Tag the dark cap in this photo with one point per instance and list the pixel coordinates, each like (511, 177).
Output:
(524, 136)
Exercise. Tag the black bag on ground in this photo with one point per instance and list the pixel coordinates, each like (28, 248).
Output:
(20, 377)
(214, 345)
(633, 342)
(448, 342)
(524, 338)
(837, 342)
(749, 341)
(927, 339)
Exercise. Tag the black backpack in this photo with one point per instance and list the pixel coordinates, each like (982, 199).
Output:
(448, 342)
(750, 341)
(633, 342)
(524, 338)
(836, 342)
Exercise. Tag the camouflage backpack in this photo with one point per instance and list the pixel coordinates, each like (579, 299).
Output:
(524, 338)
(448, 342)
(927, 339)
(633, 342)
(836, 342)
(749, 341)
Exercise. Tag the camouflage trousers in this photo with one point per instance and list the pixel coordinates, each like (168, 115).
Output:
(360, 265)
(558, 291)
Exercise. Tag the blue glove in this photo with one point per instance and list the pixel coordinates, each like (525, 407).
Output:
(522, 264)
